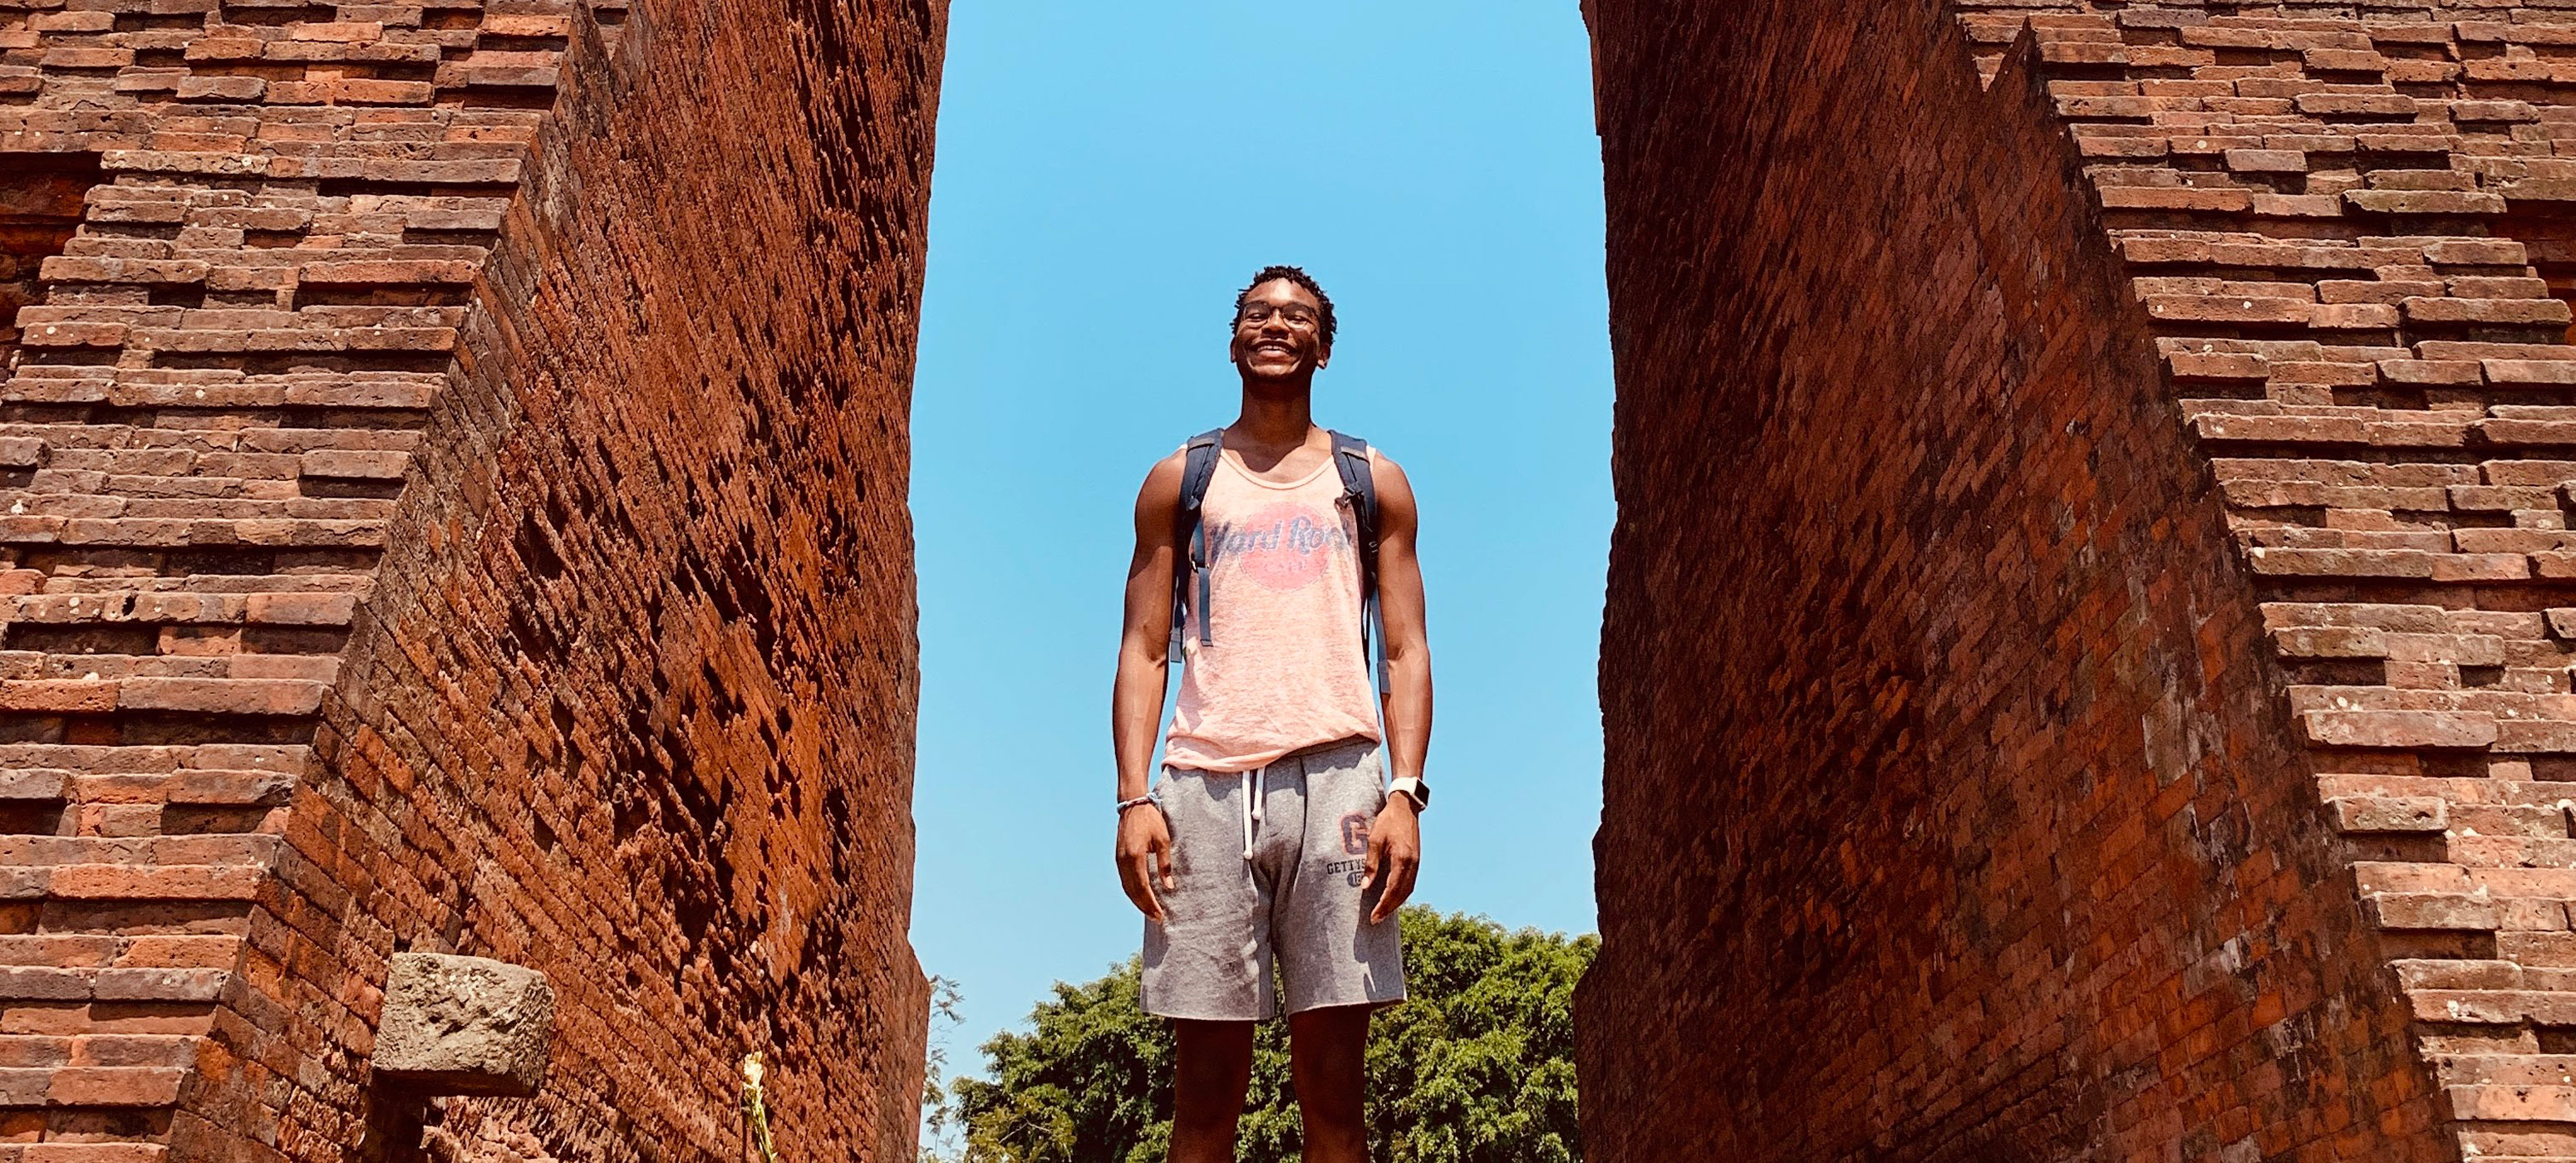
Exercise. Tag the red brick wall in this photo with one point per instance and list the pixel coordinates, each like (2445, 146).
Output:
(440, 516)
(2352, 236)
(1953, 809)
(632, 701)
(41, 195)
(217, 384)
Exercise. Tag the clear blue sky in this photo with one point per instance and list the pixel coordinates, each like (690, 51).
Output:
(1108, 175)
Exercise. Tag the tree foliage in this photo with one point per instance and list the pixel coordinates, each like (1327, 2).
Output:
(1478, 1067)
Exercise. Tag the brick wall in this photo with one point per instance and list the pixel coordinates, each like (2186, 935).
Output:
(454, 484)
(2353, 238)
(1955, 804)
(41, 195)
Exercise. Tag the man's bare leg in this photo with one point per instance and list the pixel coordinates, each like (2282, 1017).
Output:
(1328, 1054)
(1213, 1070)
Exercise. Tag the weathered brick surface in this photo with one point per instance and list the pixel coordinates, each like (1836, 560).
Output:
(451, 499)
(40, 209)
(2394, 448)
(1963, 797)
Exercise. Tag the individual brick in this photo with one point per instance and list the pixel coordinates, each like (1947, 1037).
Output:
(2393, 814)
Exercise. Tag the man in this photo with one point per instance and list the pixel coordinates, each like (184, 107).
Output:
(1270, 832)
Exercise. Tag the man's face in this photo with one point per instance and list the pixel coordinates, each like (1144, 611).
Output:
(1279, 331)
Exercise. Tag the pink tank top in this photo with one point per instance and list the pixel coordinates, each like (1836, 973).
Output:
(1285, 669)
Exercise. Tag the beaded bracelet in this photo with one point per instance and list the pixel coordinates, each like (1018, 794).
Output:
(1123, 805)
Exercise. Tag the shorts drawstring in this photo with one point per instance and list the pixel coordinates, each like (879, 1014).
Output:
(1251, 808)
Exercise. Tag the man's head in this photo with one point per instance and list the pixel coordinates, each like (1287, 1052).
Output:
(1283, 325)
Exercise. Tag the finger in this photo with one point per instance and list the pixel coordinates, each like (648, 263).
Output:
(1376, 862)
(1381, 878)
(1392, 896)
(1163, 862)
(1399, 886)
(1141, 887)
(1127, 882)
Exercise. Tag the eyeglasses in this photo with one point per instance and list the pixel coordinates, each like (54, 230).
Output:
(1297, 315)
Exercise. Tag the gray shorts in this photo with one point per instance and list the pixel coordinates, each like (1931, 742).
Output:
(1284, 881)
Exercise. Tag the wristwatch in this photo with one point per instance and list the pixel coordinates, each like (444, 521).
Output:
(1411, 787)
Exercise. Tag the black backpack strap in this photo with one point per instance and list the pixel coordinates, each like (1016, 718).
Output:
(1198, 467)
(1359, 490)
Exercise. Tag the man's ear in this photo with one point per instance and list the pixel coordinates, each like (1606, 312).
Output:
(1323, 355)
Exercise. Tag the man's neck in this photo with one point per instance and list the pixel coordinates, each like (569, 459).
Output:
(1272, 419)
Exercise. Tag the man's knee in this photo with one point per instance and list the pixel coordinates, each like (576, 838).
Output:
(1328, 1052)
(1213, 1060)
(1330, 1034)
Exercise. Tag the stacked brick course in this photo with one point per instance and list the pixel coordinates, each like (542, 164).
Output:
(2352, 230)
(2116, 710)
(378, 575)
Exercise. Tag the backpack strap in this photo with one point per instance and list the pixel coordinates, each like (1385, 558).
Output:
(1198, 467)
(1359, 491)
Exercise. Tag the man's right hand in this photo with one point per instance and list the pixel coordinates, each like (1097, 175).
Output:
(1145, 857)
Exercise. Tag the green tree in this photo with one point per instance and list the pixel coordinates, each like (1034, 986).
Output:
(1478, 1067)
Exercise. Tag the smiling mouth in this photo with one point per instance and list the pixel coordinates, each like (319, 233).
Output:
(1273, 349)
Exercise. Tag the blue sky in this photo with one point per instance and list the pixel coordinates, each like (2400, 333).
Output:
(1108, 175)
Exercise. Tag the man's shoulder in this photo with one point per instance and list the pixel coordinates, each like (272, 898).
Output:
(1162, 488)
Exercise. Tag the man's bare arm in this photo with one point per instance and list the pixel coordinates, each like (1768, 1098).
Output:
(1136, 706)
(1407, 698)
(1144, 851)
(1395, 839)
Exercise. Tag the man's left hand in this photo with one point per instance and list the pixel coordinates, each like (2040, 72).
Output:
(1394, 855)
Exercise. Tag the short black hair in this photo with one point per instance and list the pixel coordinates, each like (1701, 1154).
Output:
(1295, 275)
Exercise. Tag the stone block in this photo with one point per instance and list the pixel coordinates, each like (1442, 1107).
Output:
(464, 1025)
